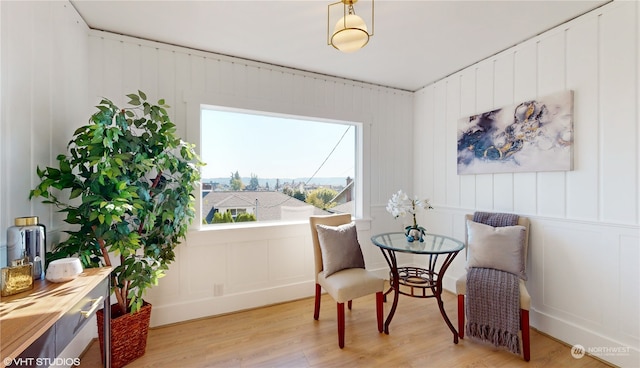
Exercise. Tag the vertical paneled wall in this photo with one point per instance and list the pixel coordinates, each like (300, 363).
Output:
(43, 98)
(584, 245)
(223, 270)
(44, 87)
(183, 77)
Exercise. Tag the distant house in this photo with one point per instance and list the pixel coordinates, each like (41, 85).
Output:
(266, 206)
(344, 199)
(343, 208)
(346, 194)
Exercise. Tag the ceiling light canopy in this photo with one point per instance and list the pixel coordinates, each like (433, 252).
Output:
(350, 32)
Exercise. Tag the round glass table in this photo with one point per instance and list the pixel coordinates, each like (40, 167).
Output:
(418, 282)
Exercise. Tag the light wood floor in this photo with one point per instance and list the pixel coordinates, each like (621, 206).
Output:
(286, 335)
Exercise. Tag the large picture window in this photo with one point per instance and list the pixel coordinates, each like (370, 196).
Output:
(267, 167)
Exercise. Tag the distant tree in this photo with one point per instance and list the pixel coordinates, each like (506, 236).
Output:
(221, 218)
(322, 197)
(288, 191)
(300, 195)
(245, 217)
(236, 182)
(217, 218)
(277, 184)
(253, 183)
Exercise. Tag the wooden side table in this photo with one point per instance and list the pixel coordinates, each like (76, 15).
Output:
(36, 325)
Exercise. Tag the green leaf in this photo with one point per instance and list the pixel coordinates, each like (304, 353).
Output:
(75, 193)
(65, 167)
(142, 95)
(134, 101)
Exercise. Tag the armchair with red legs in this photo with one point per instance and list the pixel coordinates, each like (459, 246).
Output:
(339, 267)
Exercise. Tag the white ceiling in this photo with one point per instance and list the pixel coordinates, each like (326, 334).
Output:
(415, 42)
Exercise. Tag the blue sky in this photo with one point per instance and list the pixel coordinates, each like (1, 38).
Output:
(274, 146)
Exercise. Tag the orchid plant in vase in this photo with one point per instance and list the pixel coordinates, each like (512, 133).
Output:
(400, 205)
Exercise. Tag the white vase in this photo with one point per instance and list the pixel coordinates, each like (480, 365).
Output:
(414, 234)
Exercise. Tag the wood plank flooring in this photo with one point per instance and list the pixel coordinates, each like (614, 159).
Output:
(286, 335)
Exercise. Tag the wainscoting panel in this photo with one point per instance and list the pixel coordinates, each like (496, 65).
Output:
(237, 270)
(250, 271)
(627, 277)
(281, 252)
(568, 270)
(204, 267)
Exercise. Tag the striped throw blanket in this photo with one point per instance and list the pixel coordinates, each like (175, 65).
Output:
(493, 297)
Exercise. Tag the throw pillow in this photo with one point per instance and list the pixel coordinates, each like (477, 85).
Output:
(501, 248)
(339, 247)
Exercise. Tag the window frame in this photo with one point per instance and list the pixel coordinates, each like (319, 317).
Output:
(358, 164)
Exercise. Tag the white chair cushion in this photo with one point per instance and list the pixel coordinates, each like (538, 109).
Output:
(350, 284)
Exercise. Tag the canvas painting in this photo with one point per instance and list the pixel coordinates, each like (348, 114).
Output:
(531, 136)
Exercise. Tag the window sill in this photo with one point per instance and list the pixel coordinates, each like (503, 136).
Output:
(365, 223)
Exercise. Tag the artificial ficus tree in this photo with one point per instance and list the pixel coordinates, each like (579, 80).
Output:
(126, 185)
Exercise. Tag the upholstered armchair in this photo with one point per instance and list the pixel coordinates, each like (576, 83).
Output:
(501, 248)
(340, 269)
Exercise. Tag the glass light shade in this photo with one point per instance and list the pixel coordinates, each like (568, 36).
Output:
(352, 37)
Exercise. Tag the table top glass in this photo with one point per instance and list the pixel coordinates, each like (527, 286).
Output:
(432, 244)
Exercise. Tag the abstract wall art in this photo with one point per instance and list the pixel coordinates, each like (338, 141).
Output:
(535, 135)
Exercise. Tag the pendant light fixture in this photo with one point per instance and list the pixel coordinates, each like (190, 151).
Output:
(350, 32)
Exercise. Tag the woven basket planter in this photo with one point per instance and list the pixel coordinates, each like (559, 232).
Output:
(128, 334)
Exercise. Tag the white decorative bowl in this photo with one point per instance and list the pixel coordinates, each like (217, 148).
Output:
(65, 269)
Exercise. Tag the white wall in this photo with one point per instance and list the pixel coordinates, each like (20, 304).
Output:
(43, 99)
(584, 251)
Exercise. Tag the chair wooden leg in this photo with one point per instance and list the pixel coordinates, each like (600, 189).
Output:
(379, 309)
(316, 311)
(524, 325)
(341, 325)
(349, 303)
(461, 316)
